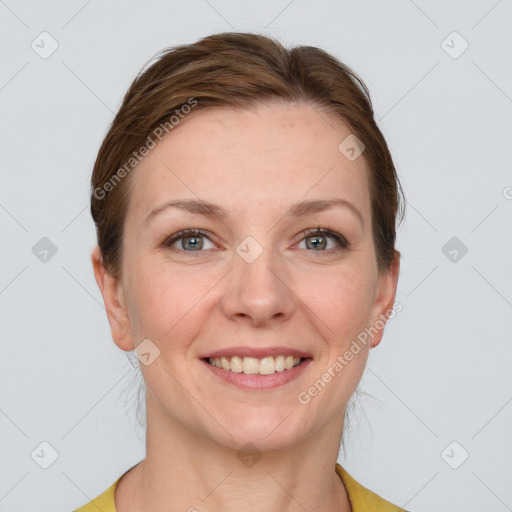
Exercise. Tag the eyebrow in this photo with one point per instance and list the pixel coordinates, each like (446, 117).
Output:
(301, 209)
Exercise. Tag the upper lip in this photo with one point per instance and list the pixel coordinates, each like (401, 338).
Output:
(258, 352)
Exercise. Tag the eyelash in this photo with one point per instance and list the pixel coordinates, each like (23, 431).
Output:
(308, 233)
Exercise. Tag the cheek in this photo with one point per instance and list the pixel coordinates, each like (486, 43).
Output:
(342, 300)
(343, 303)
(168, 305)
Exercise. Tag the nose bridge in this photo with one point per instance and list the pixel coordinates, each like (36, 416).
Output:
(257, 290)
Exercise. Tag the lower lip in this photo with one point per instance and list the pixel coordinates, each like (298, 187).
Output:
(257, 381)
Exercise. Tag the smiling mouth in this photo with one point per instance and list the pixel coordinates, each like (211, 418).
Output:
(253, 365)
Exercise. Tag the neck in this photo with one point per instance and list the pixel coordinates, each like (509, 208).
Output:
(188, 472)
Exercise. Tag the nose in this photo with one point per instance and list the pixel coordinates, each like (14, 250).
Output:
(258, 292)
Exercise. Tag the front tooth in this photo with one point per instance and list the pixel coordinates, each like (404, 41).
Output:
(237, 364)
(280, 363)
(250, 365)
(267, 366)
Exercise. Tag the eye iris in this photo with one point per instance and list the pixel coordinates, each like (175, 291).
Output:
(321, 245)
(198, 244)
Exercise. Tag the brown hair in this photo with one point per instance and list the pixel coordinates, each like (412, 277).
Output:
(236, 70)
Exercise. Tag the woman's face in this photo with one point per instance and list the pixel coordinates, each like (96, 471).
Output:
(256, 279)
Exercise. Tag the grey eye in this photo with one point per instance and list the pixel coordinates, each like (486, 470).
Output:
(319, 241)
(192, 242)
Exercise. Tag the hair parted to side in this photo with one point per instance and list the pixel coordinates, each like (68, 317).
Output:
(236, 70)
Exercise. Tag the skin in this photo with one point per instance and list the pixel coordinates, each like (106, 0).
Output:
(256, 164)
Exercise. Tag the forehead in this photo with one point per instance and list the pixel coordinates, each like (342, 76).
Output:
(267, 156)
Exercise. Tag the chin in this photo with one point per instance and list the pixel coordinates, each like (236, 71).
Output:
(264, 432)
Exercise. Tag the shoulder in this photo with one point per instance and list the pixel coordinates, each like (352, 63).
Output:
(104, 502)
(362, 499)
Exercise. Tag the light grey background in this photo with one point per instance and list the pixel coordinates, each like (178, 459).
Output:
(442, 372)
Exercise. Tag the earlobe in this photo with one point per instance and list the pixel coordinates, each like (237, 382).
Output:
(384, 300)
(115, 303)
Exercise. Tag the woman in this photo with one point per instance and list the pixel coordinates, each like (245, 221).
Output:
(245, 204)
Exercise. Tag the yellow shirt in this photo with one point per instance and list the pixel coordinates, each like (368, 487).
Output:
(361, 499)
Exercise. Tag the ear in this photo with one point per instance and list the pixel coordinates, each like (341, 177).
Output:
(115, 303)
(384, 300)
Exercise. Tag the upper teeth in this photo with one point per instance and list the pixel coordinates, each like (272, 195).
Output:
(253, 365)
